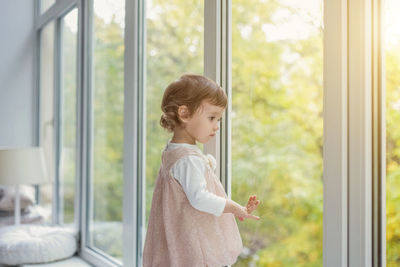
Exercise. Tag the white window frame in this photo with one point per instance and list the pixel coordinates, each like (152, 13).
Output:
(359, 134)
(90, 254)
(335, 124)
(366, 135)
(55, 14)
(378, 135)
(134, 128)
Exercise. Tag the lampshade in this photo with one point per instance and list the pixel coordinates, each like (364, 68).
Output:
(22, 166)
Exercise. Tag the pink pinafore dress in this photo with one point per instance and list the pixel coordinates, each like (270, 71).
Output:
(179, 235)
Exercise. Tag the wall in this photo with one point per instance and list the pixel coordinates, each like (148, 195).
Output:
(17, 104)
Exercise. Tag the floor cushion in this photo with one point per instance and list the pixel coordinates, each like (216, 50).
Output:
(25, 244)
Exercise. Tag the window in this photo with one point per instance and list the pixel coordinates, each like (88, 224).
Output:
(277, 132)
(46, 128)
(106, 132)
(100, 86)
(68, 124)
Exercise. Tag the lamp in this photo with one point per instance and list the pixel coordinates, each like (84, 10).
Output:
(22, 166)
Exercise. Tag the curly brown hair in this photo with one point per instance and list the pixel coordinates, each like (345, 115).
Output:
(189, 90)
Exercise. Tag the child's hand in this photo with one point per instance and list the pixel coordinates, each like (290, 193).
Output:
(252, 204)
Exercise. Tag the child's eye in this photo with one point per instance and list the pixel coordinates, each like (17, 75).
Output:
(212, 118)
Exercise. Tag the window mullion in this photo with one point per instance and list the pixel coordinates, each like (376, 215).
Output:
(212, 61)
(85, 128)
(335, 176)
(133, 169)
(378, 137)
(226, 84)
(78, 201)
(360, 132)
(57, 207)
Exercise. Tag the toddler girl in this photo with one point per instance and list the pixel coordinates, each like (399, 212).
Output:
(192, 220)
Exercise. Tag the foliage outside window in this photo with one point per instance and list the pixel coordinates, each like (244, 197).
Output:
(277, 69)
(105, 224)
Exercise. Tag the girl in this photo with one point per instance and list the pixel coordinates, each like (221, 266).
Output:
(191, 219)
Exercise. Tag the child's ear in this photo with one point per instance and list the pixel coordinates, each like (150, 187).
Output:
(183, 113)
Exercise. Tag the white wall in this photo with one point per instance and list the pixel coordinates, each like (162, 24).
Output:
(17, 104)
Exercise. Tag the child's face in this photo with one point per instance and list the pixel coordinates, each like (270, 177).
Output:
(204, 124)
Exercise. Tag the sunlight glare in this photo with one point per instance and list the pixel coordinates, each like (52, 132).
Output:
(392, 22)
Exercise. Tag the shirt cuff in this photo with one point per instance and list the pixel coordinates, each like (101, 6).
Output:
(220, 206)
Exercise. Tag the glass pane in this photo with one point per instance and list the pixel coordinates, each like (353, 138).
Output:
(46, 4)
(174, 47)
(107, 121)
(67, 169)
(392, 50)
(277, 90)
(47, 111)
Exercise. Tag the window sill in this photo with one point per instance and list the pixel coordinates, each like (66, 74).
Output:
(73, 261)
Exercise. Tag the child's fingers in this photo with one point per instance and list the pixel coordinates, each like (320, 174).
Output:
(252, 208)
(254, 204)
(251, 201)
(254, 217)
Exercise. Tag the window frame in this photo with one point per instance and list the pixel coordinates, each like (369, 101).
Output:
(55, 14)
(90, 254)
(378, 135)
(134, 148)
(335, 142)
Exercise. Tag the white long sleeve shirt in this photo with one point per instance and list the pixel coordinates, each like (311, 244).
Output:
(189, 172)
